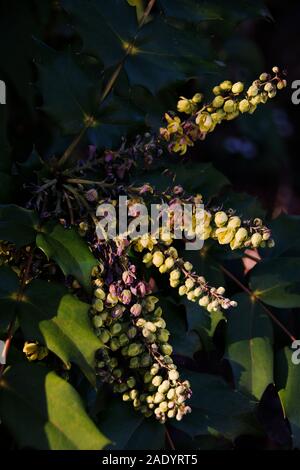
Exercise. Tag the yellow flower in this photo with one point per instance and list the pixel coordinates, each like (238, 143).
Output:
(174, 124)
(234, 222)
(185, 106)
(225, 235)
(181, 144)
(220, 218)
(34, 351)
(205, 122)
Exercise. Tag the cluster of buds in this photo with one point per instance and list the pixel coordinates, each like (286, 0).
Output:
(182, 276)
(230, 100)
(230, 229)
(136, 355)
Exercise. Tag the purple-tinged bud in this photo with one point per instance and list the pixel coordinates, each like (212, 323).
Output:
(91, 195)
(126, 297)
(117, 311)
(128, 277)
(136, 310)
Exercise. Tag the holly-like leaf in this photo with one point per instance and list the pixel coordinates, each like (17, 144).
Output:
(202, 322)
(5, 158)
(154, 55)
(69, 251)
(288, 381)
(185, 342)
(233, 10)
(277, 282)
(61, 323)
(72, 98)
(6, 188)
(217, 409)
(9, 286)
(286, 233)
(44, 411)
(49, 314)
(130, 430)
(249, 350)
(33, 164)
(18, 225)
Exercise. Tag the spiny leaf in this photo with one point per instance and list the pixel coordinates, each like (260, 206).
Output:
(69, 251)
(129, 430)
(249, 339)
(185, 342)
(217, 409)
(154, 55)
(49, 314)
(277, 281)
(9, 284)
(288, 380)
(61, 323)
(18, 225)
(44, 411)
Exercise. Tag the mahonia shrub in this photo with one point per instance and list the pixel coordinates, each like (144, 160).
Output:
(119, 322)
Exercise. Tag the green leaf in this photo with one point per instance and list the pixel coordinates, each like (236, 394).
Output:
(185, 342)
(286, 233)
(288, 377)
(5, 158)
(249, 350)
(18, 46)
(99, 25)
(69, 251)
(33, 164)
(129, 429)
(6, 186)
(196, 11)
(200, 178)
(62, 323)
(139, 5)
(161, 53)
(217, 409)
(43, 411)
(72, 96)
(18, 225)
(277, 282)
(202, 322)
(48, 314)
(9, 285)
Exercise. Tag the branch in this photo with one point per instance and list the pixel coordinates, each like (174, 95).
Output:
(107, 89)
(254, 297)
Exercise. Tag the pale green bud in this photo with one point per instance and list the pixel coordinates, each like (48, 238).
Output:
(256, 239)
(218, 101)
(220, 218)
(226, 85)
(237, 87)
(252, 90)
(244, 106)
